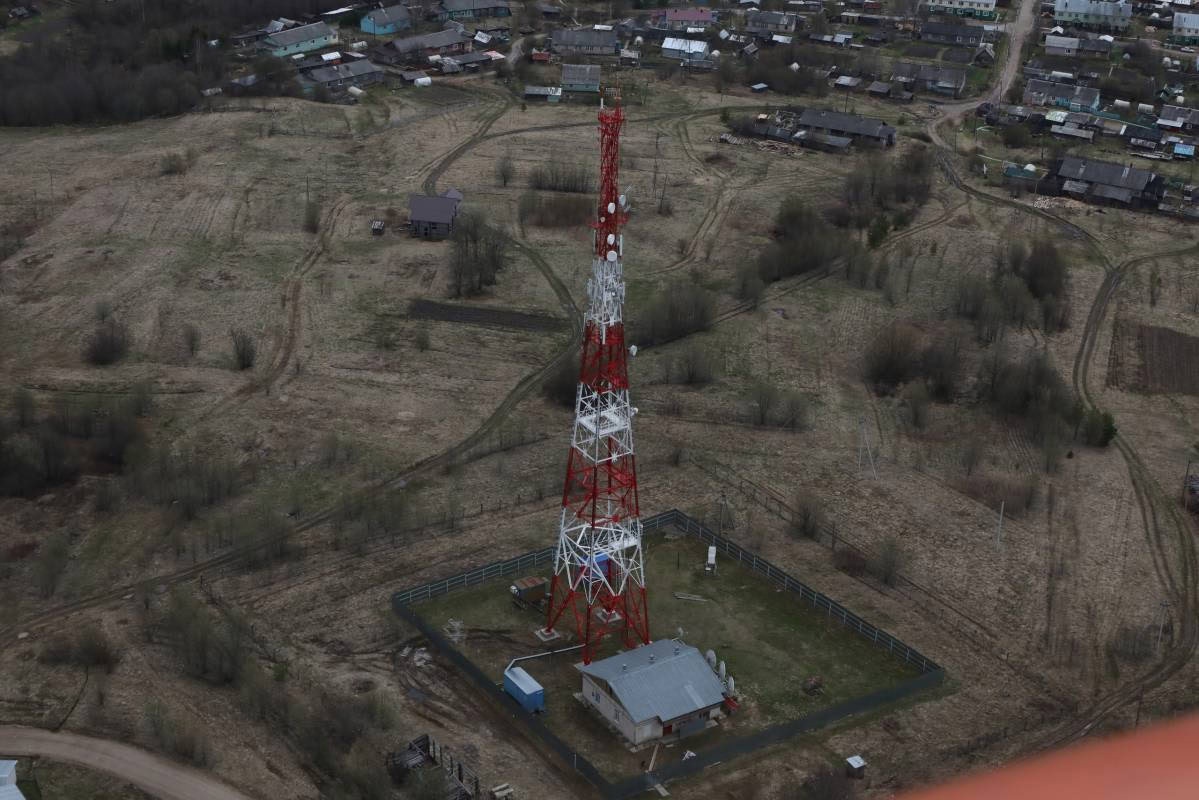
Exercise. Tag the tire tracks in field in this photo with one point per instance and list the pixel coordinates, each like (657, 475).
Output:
(1164, 535)
(1166, 527)
(526, 386)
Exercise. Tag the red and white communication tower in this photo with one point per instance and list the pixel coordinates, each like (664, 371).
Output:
(599, 574)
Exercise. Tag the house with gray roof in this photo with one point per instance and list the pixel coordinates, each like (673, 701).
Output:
(661, 689)
(343, 76)
(1107, 182)
(929, 77)
(432, 216)
(849, 126)
(581, 78)
(473, 9)
(386, 21)
(767, 23)
(416, 48)
(584, 41)
(1062, 95)
(952, 33)
(303, 39)
(1101, 14)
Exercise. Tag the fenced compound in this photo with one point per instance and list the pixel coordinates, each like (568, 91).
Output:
(930, 675)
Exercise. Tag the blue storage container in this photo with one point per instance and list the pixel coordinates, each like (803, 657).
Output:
(524, 690)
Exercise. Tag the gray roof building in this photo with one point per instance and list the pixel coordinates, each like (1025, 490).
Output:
(851, 125)
(769, 21)
(952, 33)
(432, 208)
(394, 15)
(432, 216)
(304, 33)
(664, 680)
(354, 72)
(584, 39)
(456, 7)
(580, 73)
(438, 39)
(945, 80)
(1044, 93)
(1105, 172)
(1104, 181)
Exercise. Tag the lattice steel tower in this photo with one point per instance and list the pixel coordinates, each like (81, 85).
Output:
(599, 574)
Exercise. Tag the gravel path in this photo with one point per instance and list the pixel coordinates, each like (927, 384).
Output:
(152, 773)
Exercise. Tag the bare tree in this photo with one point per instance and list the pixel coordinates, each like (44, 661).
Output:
(504, 169)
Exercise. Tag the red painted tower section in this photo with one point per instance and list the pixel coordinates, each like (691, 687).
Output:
(599, 572)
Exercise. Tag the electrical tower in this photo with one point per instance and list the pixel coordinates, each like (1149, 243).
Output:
(599, 573)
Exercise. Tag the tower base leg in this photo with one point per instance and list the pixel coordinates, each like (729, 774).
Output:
(546, 635)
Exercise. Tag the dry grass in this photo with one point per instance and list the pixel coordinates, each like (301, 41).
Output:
(220, 247)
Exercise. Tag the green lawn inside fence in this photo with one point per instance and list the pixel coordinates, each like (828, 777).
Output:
(770, 640)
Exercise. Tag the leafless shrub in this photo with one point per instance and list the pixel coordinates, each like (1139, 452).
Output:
(886, 564)
(245, 350)
(191, 339)
(24, 409)
(562, 383)
(693, 367)
(173, 164)
(893, 357)
(807, 517)
(52, 559)
(108, 343)
(557, 176)
(676, 311)
(1017, 493)
(312, 216)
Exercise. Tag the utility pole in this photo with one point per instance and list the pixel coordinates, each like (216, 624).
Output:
(864, 446)
(1165, 607)
(999, 530)
(1185, 480)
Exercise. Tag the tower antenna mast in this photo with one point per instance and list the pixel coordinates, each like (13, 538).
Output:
(599, 572)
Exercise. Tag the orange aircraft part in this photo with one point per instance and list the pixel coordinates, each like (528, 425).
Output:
(1156, 763)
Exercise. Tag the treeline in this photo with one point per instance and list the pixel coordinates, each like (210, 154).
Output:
(329, 730)
(1027, 285)
(1027, 389)
(880, 194)
(803, 241)
(774, 68)
(39, 450)
(478, 252)
(125, 60)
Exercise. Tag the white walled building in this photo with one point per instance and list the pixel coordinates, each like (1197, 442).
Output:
(660, 689)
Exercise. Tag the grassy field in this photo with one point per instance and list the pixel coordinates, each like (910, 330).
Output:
(769, 641)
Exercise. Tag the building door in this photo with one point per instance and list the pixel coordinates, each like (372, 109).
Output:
(667, 729)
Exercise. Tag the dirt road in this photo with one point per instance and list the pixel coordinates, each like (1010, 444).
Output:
(1017, 32)
(152, 773)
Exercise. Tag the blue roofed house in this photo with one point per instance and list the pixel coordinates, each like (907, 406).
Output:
(387, 21)
(661, 689)
(300, 40)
